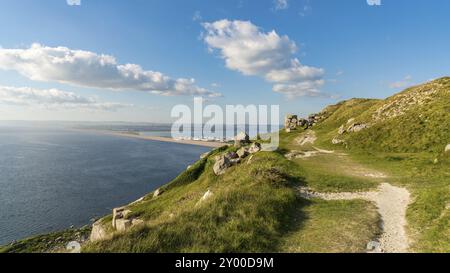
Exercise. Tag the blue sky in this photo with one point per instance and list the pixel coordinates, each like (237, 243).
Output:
(321, 52)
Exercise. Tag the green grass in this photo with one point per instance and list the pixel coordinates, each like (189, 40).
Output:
(332, 227)
(253, 209)
(429, 183)
(53, 242)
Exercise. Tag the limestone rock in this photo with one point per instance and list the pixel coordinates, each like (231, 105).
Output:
(291, 122)
(205, 155)
(243, 152)
(337, 141)
(221, 165)
(123, 224)
(137, 222)
(447, 148)
(158, 192)
(98, 232)
(207, 196)
(341, 130)
(231, 155)
(254, 148)
(356, 127)
(241, 139)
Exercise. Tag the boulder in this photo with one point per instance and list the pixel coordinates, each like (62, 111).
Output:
(291, 122)
(158, 192)
(288, 130)
(221, 165)
(137, 222)
(119, 213)
(241, 139)
(447, 148)
(243, 152)
(123, 224)
(341, 130)
(98, 232)
(356, 127)
(235, 161)
(207, 196)
(231, 155)
(337, 141)
(254, 148)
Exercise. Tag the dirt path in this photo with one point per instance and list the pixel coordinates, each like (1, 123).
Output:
(392, 203)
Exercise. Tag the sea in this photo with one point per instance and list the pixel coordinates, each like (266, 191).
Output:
(54, 178)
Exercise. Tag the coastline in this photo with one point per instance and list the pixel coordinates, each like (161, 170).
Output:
(209, 144)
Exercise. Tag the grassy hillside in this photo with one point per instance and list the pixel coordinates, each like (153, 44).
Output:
(415, 120)
(253, 209)
(255, 206)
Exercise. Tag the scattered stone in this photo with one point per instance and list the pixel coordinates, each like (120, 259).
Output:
(302, 122)
(435, 161)
(447, 148)
(374, 246)
(254, 148)
(188, 167)
(291, 122)
(241, 139)
(207, 196)
(337, 141)
(98, 233)
(231, 155)
(137, 222)
(158, 192)
(235, 161)
(123, 224)
(73, 247)
(118, 214)
(351, 120)
(341, 130)
(221, 165)
(288, 130)
(356, 127)
(243, 152)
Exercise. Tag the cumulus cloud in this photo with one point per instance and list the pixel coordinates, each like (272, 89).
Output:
(245, 48)
(73, 2)
(53, 98)
(88, 69)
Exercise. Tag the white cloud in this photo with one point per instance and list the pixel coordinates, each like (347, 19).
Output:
(73, 2)
(248, 50)
(88, 69)
(197, 16)
(405, 82)
(374, 2)
(53, 98)
(281, 4)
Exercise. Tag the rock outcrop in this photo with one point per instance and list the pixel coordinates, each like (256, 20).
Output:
(98, 232)
(158, 192)
(291, 122)
(241, 139)
(357, 127)
(254, 148)
(221, 165)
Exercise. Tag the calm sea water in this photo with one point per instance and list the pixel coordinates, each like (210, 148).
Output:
(51, 179)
